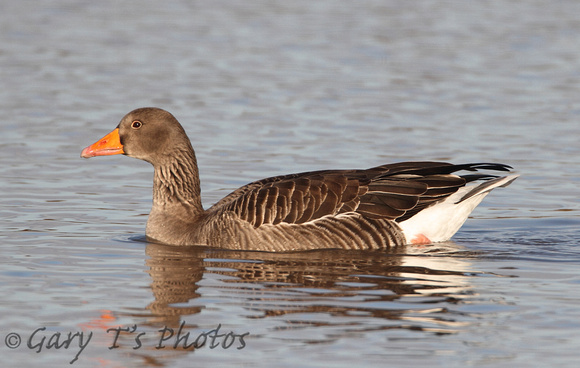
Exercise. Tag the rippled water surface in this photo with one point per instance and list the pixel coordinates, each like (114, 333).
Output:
(271, 87)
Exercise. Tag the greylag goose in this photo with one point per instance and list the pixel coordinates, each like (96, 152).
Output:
(384, 206)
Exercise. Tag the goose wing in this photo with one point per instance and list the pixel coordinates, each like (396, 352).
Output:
(394, 191)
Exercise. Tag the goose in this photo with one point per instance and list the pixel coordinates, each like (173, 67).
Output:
(390, 205)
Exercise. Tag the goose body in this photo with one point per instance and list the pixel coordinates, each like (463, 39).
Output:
(384, 206)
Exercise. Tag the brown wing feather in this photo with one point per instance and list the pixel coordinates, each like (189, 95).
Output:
(396, 192)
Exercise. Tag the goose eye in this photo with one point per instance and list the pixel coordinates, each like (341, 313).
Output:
(136, 124)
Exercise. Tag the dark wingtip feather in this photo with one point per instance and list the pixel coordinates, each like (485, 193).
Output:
(445, 168)
(487, 166)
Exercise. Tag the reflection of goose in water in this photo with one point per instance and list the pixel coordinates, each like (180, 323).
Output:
(437, 258)
(322, 296)
(388, 286)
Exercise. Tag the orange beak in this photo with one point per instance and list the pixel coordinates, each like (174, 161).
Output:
(108, 145)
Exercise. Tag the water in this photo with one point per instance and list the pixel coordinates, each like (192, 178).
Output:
(266, 88)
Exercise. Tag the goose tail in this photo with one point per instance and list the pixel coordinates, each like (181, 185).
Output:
(442, 220)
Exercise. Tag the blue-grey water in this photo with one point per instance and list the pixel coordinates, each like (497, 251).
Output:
(272, 87)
